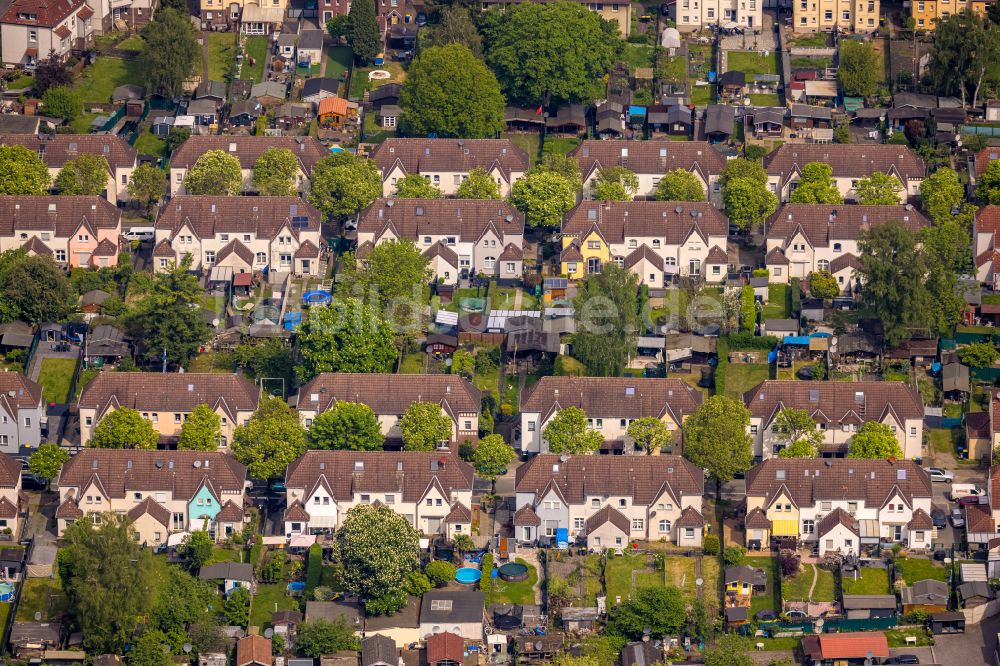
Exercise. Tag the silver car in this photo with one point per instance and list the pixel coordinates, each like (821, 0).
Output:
(941, 475)
(957, 518)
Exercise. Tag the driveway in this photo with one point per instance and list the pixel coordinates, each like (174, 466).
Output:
(975, 646)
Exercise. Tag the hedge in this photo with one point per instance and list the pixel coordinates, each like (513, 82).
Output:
(796, 287)
(748, 313)
(749, 341)
(722, 354)
(314, 568)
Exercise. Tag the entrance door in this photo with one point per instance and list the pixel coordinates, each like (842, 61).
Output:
(694, 267)
(433, 525)
(593, 265)
(305, 267)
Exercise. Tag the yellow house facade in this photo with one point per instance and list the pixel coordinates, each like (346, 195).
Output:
(583, 257)
(927, 14)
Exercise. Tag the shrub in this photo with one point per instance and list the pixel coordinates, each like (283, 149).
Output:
(733, 555)
(748, 313)
(710, 544)
(273, 570)
(416, 584)
(440, 572)
(788, 562)
(466, 450)
(761, 272)
(747, 341)
(796, 287)
(916, 617)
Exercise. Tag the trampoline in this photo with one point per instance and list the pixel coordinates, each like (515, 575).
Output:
(472, 304)
(468, 575)
(6, 591)
(316, 297)
(513, 572)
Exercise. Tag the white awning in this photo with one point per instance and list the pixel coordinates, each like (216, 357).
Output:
(176, 538)
(821, 88)
(273, 540)
(302, 541)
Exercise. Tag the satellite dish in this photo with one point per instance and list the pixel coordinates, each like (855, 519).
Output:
(38, 616)
(268, 632)
(187, 647)
(699, 581)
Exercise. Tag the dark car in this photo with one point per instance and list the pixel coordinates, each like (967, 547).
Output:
(421, 19)
(968, 500)
(904, 659)
(32, 482)
(939, 518)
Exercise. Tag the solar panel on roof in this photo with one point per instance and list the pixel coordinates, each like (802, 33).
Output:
(300, 222)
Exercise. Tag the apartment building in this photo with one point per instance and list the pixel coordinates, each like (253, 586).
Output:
(162, 492)
(656, 240)
(111, 15)
(927, 13)
(22, 415)
(985, 248)
(461, 237)
(698, 14)
(841, 505)
(650, 160)
(248, 234)
(57, 149)
(608, 502)
(307, 150)
(166, 399)
(433, 491)
(802, 238)
(389, 396)
(10, 492)
(611, 404)
(849, 164)
(839, 409)
(76, 231)
(31, 30)
(828, 15)
(619, 12)
(447, 162)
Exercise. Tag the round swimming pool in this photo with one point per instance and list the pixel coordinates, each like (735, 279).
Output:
(514, 572)
(468, 575)
(6, 591)
(297, 586)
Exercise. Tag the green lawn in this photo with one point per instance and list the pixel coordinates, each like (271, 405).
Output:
(502, 592)
(559, 145)
(211, 362)
(256, 49)
(779, 302)
(413, 364)
(741, 377)
(133, 43)
(770, 599)
(638, 55)
(913, 570)
(40, 595)
(752, 62)
(672, 69)
(870, 581)
(618, 576)
(81, 124)
(765, 99)
(338, 61)
(944, 441)
(150, 144)
(270, 597)
(701, 95)
(812, 62)
(897, 637)
(55, 378)
(680, 573)
(21, 82)
(98, 81)
(360, 82)
(86, 375)
(221, 55)
(811, 40)
(220, 554)
(529, 142)
(797, 587)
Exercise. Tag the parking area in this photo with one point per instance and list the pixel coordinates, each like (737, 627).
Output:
(975, 646)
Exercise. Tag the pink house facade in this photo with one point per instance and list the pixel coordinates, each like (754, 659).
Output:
(76, 231)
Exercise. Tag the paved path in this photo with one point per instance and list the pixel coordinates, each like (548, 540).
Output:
(815, 578)
(517, 298)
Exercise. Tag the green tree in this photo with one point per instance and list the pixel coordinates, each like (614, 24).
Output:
(22, 171)
(51, 72)
(150, 649)
(270, 440)
(346, 336)
(492, 457)
(649, 433)
(878, 189)
(196, 550)
(748, 202)
(39, 289)
(987, 185)
(188, 602)
(567, 432)
(456, 26)
(343, 184)
(940, 194)
(236, 607)
(730, 650)
(440, 573)
(275, 172)
(860, 69)
(338, 27)
(450, 92)
(271, 358)
(377, 548)
(549, 53)
(823, 285)
(201, 430)
(816, 186)
(463, 364)
(147, 184)
(543, 196)
(565, 166)
(216, 173)
(47, 461)
(874, 440)
(320, 637)
(393, 270)
(965, 49)
(62, 102)
(662, 610)
(107, 579)
(979, 354)
(423, 425)
(415, 186)
(615, 183)
(362, 32)
(350, 426)
(171, 52)
(743, 168)
(797, 430)
(716, 439)
(679, 185)
(123, 428)
(479, 185)
(607, 318)
(176, 137)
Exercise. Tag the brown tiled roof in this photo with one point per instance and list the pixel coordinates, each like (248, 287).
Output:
(571, 252)
(230, 513)
(995, 487)
(450, 155)
(977, 424)
(27, 395)
(163, 249)
(835, 402)
(239, 249)
(978, 518)
(261, 216)
(121, 471)
(656, 157)
(389, 394)
(62, 32)
(811, 480)
(468, 219)
(36, 246)
(105, 249)
(527, 516)
(248, 149)
(406, 472)
(7, 509)
(85, 13)
(57, 149)
(644, 252)
(159, 512)
(61, 215)
(690, 517)
(511, 253)
(716, 256)
(444, 646)
(837, 517)
(757, 520)
(814, 220)
(644, 478)
(48, 12)
(296, 511)
(989, 257)
(617, 397)
(169, 392)
(920, 521)
(845, 261)
(442, 250)
(459, 514)
(608, 514)
(984, 157)
(846, 161)
(307, 250)
(775, 258)
(69, 510)
(669, 220)
(253, 649)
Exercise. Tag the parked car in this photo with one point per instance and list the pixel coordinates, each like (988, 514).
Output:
(957, 518)
(939, 518)
(960, 490)
(969, 499)
(941, 475)
(904, 659)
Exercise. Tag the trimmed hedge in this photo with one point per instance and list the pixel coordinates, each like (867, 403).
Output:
(748, 313)
(314, 568)
(749, 341)
(796, 287)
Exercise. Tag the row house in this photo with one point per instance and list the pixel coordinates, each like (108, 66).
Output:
(699, 14)
(58, 149)
(980, 162)
(802, 238)
(927, 13)
(447, 162)
(849, 164)
(166, 400)
(656, 240)
(432, 490)
(839, 410)
(835, 15)
(253, 17)
(650, 160)
(981, 519)
(162, 492)
(611, 404)
(606, 503)
(461, 237)
(247, 234)
(619, 12)
(31, 30)
(985, 248)
(76, 231)
(22, 414)
(123, 15)
(307, 150)
(389, 396)
(838, 504)
(11, 508)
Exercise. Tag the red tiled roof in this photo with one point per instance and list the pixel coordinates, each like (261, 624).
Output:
(979, 519)
(459, 514)
(854, 645)
(846, 161)
(335, 105)
(444, 646)
(170, 392)
(978, 425)
(207, 216)
(153, 508)
(47, 13)
(757, 520)
(608, 514)
(450, 155)
(247, 149)
(69, 510)
(672, 221)
(995, 487)
(644, 252)
(511, 253)
(230, 513)
(307, 250)
(253, 650)
(61, 216)
(105, 249)
(468, 219)
(834, 402)
(656, 157)
(389, 394)
(7, 510)
(62, 32)
(833, 519)
(984, 157)
(296, 512)
(716, 256)
(57, 149)
(527, 516)
(775, 258)
(690, 517)
(85, 13)
(822, 224)
(920, 521)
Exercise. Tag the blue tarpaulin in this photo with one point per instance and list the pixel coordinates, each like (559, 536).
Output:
(795, 340)
(562, 537)
(292, 319)
(637, 111)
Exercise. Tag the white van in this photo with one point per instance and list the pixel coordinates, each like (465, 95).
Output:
(140, 234)
(960, 490)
